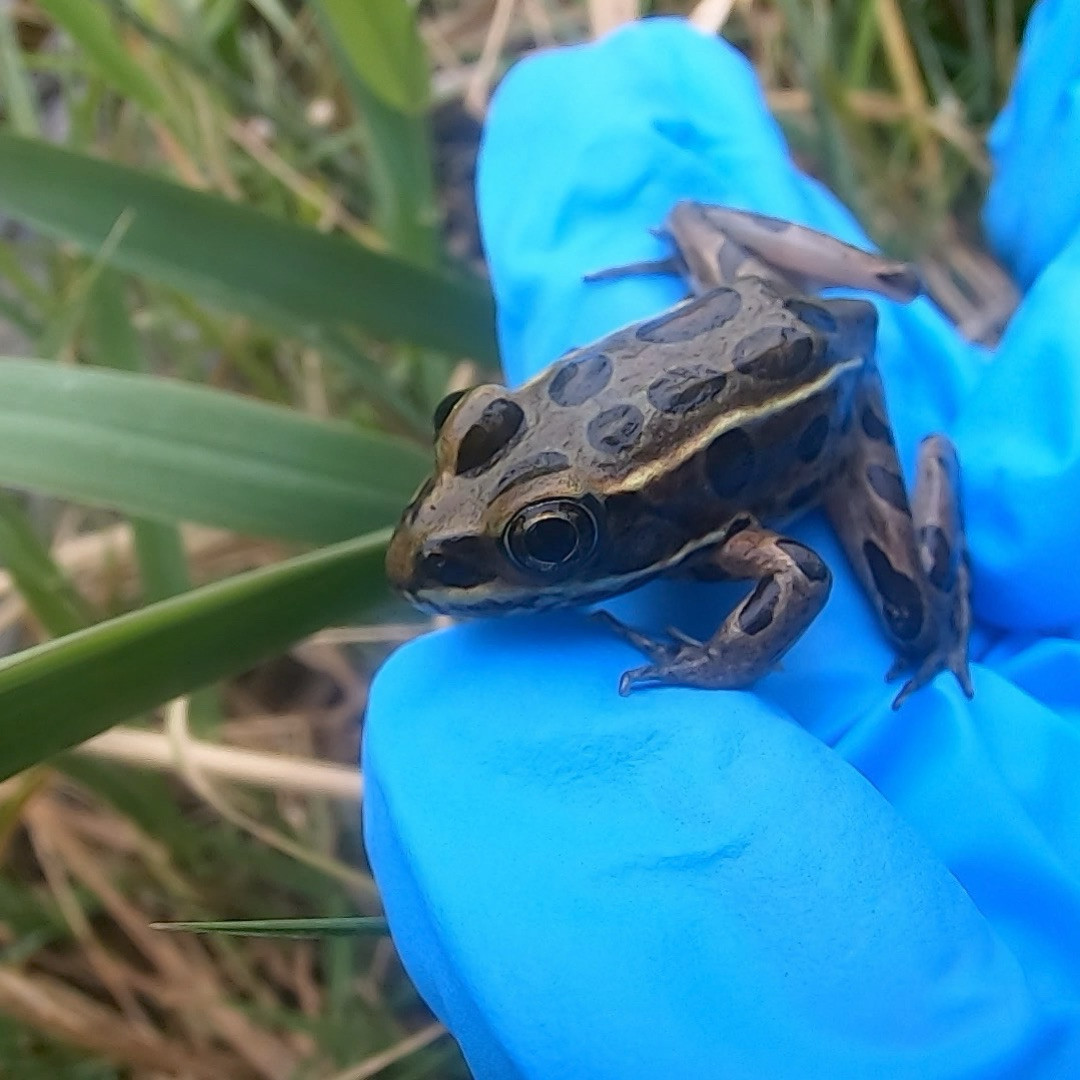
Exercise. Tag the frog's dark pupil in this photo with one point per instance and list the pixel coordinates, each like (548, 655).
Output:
(551, 539)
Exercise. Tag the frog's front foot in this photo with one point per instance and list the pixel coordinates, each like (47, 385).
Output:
(689, 665)
(675, 662)
(661, 652)
(792, 587)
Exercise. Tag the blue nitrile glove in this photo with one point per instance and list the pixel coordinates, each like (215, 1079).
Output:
(794, 881)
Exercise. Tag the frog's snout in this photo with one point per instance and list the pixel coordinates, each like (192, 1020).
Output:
(400, 560)
(425, 570)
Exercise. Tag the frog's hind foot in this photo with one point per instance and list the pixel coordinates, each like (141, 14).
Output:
(952, 659)
(944, 558)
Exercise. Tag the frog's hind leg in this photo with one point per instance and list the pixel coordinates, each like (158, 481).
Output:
(792, 587)
(913, 567)
(943, 554)
(716, 246)
(809, 259)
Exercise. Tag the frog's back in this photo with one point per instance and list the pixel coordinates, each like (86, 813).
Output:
(714, 377)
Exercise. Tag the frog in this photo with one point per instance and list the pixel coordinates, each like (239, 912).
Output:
(684, 444)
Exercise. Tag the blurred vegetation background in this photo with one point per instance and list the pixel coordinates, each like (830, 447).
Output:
(239, 264)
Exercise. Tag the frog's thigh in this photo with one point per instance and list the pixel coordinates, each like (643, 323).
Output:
(810, 258)
(868, 507)
(913, 568)
(792, 587)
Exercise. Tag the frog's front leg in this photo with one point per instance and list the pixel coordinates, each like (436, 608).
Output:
(914, 567)
(792, 587)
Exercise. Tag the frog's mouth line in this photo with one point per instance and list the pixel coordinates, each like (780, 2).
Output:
(481, 601)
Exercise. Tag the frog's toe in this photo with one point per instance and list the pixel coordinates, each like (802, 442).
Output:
(683, 638)
(660, 651)
(899, 666)
(638, 676)
(958, 665)
(936, 662)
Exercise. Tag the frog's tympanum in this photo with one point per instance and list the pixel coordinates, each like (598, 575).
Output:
(678, 445)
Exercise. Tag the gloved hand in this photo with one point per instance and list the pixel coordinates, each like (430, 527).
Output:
(792, 881)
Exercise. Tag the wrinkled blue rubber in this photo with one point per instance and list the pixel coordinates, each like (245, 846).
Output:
(796, 881)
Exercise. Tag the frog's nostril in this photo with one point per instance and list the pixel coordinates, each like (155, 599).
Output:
(459, 562)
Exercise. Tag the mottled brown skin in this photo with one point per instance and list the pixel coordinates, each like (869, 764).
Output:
(673, 444)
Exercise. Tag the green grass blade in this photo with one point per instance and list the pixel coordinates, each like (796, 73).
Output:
(50, 596)
(61, 693)
(380, 40)
(344, 926)
(174, 452)
(15, 86)
(401, 177)
(237, 258)
(92, 29)
(114, 343)
(381, 57)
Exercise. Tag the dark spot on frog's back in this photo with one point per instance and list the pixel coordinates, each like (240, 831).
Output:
(888, 487)
(759, 611)
(901, 604)
(812, 440)
(682, 389)
(543, 464)
(814, 315)
(499, 426)
(729, 462)
(774, 353)
(690, 320)
(616, 430)
(575, 381)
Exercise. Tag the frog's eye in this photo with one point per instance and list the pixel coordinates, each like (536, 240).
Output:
(553, 536)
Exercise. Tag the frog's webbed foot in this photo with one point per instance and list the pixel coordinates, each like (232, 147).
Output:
(952, 659)
(792, 586)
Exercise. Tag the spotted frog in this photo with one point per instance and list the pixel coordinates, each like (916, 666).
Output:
(680, 444)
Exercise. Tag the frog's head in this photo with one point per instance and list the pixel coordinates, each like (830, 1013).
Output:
(502, 523)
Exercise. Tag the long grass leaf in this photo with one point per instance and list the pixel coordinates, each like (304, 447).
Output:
(49, 595)
(380, 39)
(61, 693)
(173, 452)
(239, 258)
(330, 926)
(92, 29)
